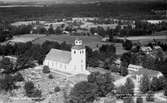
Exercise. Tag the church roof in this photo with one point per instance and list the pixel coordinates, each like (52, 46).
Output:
(59, 56)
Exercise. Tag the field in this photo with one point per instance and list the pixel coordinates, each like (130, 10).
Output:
(25, 38)
(161, 33)
(146, 39)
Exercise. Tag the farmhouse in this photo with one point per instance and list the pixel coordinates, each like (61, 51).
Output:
(73, 62)
(146, 50)
(138, 72)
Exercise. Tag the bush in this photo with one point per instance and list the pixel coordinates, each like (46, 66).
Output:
(127, 45)
(46, 69)
(57, 89)
(150, 97)
(7, 83)
(31, 91)
(18, 78)
(165, 91)
(36, 93)
(29, 85)
(50, 76)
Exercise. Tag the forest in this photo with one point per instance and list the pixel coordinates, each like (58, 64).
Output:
(124, 10)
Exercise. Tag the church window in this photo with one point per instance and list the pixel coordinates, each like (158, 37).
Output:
(74, 67)
(60, 65)
(82, 67)
(74, 52)
(82, 51)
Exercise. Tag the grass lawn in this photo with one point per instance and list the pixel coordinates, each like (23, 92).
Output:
(91, 41)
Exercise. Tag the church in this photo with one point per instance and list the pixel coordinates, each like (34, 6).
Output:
(73, 62)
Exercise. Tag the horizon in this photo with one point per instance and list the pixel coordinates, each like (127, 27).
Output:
(79, 1)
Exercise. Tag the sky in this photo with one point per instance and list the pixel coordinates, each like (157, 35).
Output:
(68, 0)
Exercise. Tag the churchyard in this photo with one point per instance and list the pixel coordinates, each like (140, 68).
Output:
(47, 84)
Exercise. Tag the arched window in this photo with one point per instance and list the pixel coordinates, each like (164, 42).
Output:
(74, 52)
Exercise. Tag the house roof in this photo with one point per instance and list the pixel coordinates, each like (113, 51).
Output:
(134, 66)
(146, 48)
(148, 72)
(59, 56)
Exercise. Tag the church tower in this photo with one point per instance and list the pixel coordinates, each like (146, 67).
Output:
(78, 57)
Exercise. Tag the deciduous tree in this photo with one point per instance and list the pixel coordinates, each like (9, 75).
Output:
(103, 81)
(145, 84)
(83, 92)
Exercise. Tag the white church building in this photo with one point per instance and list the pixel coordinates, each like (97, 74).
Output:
(73, 62)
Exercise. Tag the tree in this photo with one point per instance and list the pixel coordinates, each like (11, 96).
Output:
(6, 65)
(145, 84)
(51, 30)
(150, 97)
(157, 83)
(18, 77)
(103, 81)
(165, 91)
(127, 45)
(5, 35)
(130, 86)
(123, 71)
(122, 92)
(93, 30)
(29, 85)
(58, 30)
(125, 59)
(139, 100)
(57, 89)
(50, 76)
(69, 29)
(109, 50)
(65, 46)
(31, 91)
(23, 62)
(7, 83)
(154, 84)
(128, 100)
(125, 91)
(46, 69)
(151, 63)
(42, 30)
(83, 92)
(101, 31)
